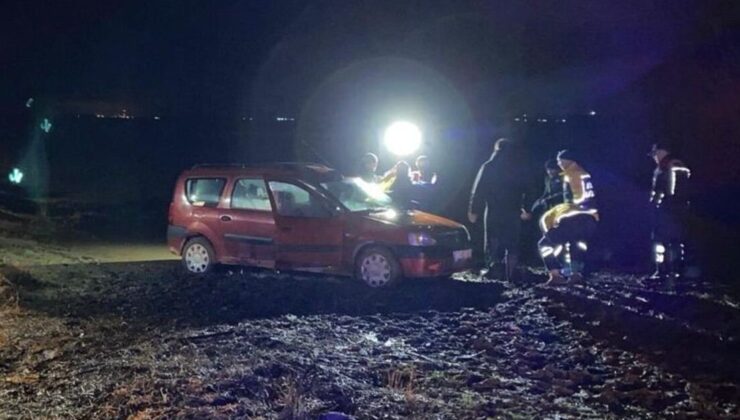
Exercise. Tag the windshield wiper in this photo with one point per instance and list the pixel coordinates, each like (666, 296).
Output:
(374, 210)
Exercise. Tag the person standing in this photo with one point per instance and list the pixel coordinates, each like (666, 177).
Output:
(425, 184)
(368, 167)
(670, 206)
(368, 171)
(568, 227)
(497, 194)
(423, 173)
(402, 190)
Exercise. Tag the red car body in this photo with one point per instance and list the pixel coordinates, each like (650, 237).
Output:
(327, 241)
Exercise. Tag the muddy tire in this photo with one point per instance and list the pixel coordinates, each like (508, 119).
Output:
(377, 267)
(198, 256)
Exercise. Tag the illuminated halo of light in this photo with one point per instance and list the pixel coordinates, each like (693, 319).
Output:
(402, 138)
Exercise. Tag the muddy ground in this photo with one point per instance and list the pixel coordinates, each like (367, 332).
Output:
(84, 337)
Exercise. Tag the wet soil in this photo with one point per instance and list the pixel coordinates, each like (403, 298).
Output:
(85, 338)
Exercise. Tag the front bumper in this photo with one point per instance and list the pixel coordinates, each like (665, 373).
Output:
(433, 261)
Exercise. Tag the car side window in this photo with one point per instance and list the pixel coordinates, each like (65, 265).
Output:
(294, 201)
(250, 194)
(204, 192)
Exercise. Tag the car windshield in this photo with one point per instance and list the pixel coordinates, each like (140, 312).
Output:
(358, 195)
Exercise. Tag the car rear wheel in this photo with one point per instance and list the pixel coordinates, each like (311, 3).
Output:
(377, 267)
(198, 256)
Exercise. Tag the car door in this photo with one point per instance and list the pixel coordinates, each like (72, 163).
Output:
(248, 225)
(309, 234)
(205, 197)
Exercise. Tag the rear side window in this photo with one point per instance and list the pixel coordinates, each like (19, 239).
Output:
(250, 194)
(204, 192)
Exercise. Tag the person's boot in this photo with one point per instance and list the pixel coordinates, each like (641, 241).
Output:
(511, 267)
(659, 257)
(556, 279)
(659, 273)
(496, 271)
(675, 256)
(577, 278)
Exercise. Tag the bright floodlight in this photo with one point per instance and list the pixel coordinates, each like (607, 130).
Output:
(402, 138)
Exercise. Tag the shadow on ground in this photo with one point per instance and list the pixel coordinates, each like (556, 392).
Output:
(162, 292)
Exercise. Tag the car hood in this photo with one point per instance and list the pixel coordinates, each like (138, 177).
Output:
(413, 219)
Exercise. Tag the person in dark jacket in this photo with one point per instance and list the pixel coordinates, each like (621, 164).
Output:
(670, 206)
(497, 194)
(402, 190)
(555, 192)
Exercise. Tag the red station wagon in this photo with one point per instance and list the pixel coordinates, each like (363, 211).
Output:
(307, 217)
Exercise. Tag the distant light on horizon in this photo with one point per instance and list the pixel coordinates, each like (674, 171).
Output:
(402, 138)
(592, 112)
(15, 176)
(46, 125)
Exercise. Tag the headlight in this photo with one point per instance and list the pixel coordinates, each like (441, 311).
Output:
(421, 239)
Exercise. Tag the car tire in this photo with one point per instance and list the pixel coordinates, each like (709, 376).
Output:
(198, 256)
(377, 267)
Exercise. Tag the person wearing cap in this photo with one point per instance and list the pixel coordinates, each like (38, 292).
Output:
(497, 194)
(368, 168)
(423, 173)
(568, 227)
(670, 205)
(425, 184)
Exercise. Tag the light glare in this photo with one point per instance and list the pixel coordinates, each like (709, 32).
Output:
(402, 138)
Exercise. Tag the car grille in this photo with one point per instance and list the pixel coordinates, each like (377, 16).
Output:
(452, 239)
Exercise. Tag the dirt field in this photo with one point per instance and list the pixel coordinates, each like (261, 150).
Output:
(119, 331)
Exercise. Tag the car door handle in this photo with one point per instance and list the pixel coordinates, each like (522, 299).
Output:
(225, 218)
(286, 228)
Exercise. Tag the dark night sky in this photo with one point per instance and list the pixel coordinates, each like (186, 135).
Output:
(655, 70)
(213, 57)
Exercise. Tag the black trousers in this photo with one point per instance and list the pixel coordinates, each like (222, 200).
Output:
(502, 237)
(669, 237)
(575, 232)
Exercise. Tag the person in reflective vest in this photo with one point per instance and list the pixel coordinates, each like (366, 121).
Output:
(670, 205)
(568, 227)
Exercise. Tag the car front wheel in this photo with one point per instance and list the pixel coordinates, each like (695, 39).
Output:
(377, 267)
(198, 256)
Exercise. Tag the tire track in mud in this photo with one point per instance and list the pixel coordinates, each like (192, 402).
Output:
(694, 335)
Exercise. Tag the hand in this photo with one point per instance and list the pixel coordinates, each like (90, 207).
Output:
(472, 217)
(525, 215)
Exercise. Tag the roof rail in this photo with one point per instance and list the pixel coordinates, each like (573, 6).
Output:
(290, 164)
(283, 165)
(219, 165)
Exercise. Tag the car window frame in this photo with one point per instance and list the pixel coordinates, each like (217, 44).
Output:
(220, 194)
(326, 204)
(273, 208)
